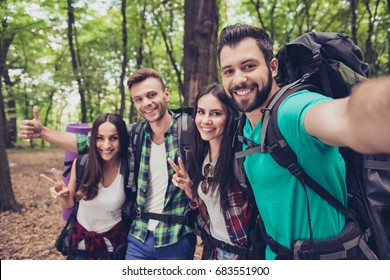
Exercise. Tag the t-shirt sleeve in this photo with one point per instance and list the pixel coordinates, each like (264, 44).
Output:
(291, 117)
(82, 143)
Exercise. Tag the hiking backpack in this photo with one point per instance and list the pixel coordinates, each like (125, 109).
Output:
(185, 126)
(328, 63)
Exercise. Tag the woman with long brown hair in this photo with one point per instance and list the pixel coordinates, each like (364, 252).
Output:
(98, 230)
(225, 211)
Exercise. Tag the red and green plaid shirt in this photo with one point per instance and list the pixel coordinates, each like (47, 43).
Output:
(236, 212)
(95, 245)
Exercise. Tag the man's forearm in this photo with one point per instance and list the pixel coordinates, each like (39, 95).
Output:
(369, 113)
(65, 140)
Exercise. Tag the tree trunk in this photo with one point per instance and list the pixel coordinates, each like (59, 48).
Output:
(388, 40)
(12, 130)
(169, 48)
(75, 67)
(3, 121)
(257, 5)
(353, 21)
(200, 46)
(370, 54)
(7, 198)
(6, 39)
(139, 59)
(388, 51)
(122, 88)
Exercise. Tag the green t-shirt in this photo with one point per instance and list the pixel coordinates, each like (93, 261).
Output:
(279, 195)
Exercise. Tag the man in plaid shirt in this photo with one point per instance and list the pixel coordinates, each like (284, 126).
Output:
(154, 239)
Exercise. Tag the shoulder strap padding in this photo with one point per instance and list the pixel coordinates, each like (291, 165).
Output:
(185, 126)
(135, 153)
(81, 162)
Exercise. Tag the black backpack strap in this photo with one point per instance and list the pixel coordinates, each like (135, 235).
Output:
(209, 240)
(239, 155)
(255, 241)
(168, 218)
(135, 150)
(68, 166)
(81, 162)
(184, 129)
(374, 164)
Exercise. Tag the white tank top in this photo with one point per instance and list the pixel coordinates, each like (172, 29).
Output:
(158, 183)
(104, 211)
(213, 204)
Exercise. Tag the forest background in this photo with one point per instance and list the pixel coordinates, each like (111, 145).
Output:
(72, 57)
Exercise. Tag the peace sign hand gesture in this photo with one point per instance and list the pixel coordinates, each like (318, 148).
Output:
(58, 189)
(181, 179)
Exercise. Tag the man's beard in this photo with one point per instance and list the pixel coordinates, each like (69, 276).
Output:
(261, 95)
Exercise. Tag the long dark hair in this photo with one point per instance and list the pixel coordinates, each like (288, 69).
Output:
(94, 170)
(223, 171)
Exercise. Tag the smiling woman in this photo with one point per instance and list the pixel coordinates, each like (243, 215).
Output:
(210, 118)
(98, 199)
(107, 143)
(225, 212)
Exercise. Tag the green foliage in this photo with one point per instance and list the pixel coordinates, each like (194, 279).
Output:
(288, 19)
(39, 65)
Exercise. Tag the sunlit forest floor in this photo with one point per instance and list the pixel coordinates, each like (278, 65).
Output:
(31, 234)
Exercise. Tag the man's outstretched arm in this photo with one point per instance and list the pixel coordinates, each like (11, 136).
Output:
(361, 121)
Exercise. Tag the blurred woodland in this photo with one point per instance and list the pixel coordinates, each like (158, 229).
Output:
(72, 57)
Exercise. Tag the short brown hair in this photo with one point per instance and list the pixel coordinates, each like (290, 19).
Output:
(232, 35)
(142, 74)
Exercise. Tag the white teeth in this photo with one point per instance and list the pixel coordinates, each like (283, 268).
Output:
(148, 111)
(207, 129)
(243, 92)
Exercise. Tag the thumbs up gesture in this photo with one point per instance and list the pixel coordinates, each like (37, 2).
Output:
(30, 129)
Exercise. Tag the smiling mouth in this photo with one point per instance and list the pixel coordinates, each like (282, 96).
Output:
(242, 91)
(148, 111)
(207, 129)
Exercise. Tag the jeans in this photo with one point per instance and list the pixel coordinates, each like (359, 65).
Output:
(223, 255)
(184, 249)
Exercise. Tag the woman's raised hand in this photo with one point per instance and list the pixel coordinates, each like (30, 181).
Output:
(181, 178)
(58, 189)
